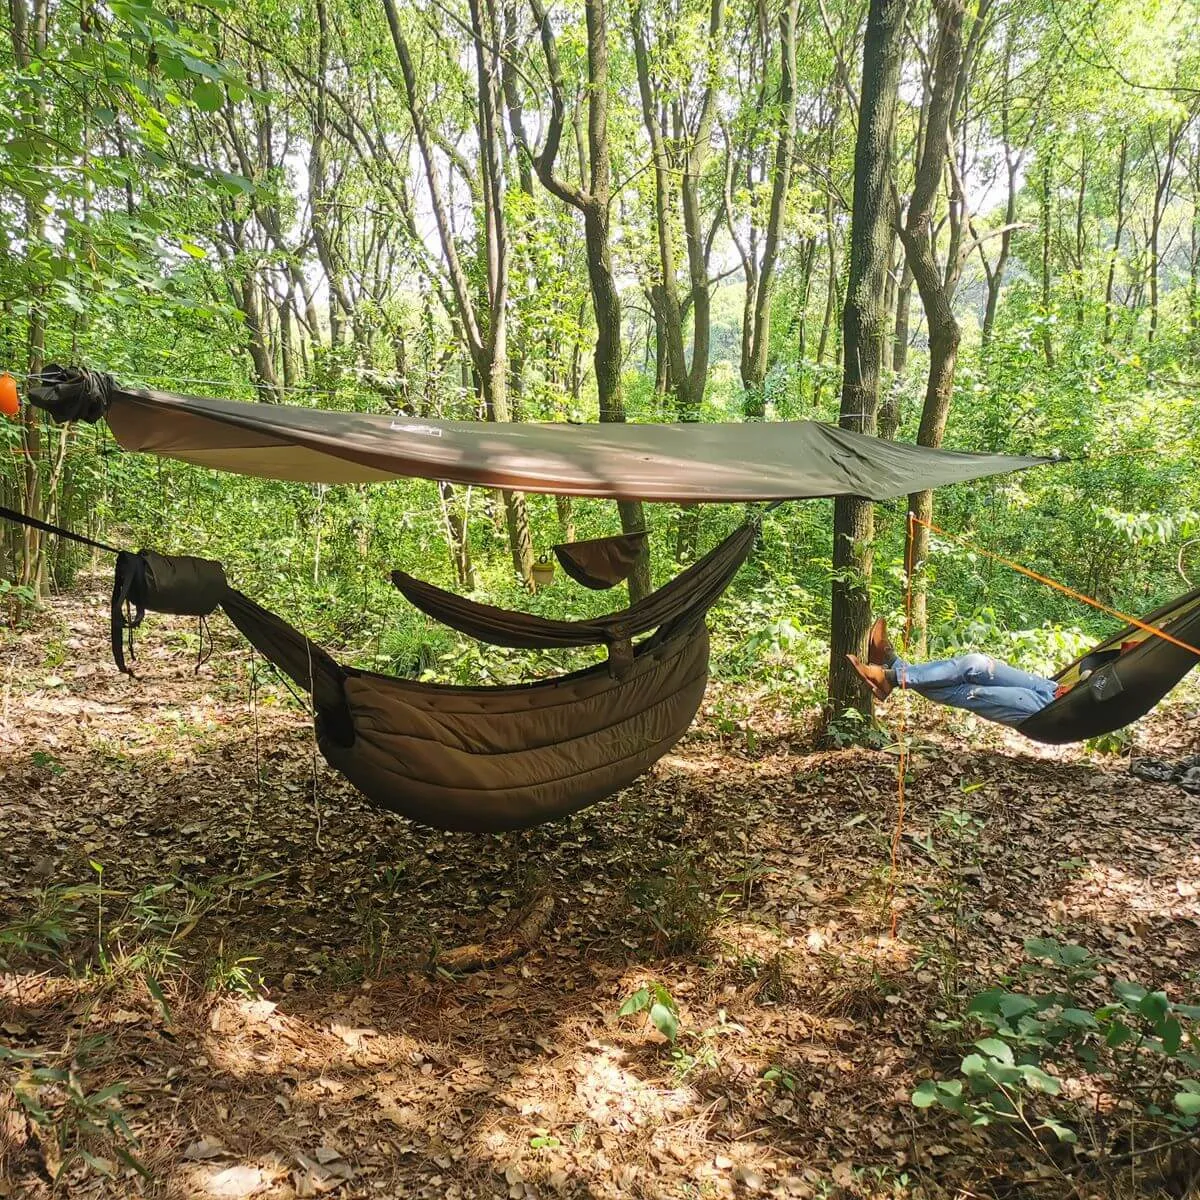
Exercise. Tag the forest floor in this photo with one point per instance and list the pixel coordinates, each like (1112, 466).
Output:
(255, 965)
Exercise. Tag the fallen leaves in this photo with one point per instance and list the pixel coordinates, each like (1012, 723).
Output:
(803, 1026)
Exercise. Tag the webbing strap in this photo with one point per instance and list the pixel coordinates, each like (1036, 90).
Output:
(20, 518)
(129, 586)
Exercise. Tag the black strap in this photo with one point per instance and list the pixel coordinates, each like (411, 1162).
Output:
(129, 585)
(128, 604)
(11, 514)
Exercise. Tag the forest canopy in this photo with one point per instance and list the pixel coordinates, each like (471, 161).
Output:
(620, 210)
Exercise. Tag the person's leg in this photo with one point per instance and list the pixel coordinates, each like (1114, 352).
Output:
(1007, 705)
(980, 670)
(980, 684)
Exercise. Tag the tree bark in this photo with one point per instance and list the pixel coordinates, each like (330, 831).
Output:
(865, 331)
(680, 158)
(1115, 251)
(484, 329)
(28, 32)
(1047, 336)
(1164, 166)
(761, 289)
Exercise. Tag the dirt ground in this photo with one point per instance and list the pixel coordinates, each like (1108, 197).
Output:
(192, 905)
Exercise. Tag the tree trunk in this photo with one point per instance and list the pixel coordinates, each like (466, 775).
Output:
(593, 204)
(935, 286)
(1047, 337)
(28, 33)
(864, 323)
(484, 329)
(754, 372)
(831, 296)
(1114, 253)
(456, 537)
(516, 514)
(1164, 169)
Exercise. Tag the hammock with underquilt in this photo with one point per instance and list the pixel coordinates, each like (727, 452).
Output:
(482, 758)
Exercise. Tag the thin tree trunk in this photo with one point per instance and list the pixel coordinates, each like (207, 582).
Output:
(831, 297)
(936, 287)
(755, 371)
(1114, 253)
(594, 204)
(1047, 336)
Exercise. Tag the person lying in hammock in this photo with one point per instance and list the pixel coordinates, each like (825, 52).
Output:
(977, 682)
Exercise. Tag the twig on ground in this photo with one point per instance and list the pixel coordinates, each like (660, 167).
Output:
(480, 954)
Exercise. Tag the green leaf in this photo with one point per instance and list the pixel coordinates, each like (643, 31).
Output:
(1037, 1079)
(1014, 1005)
(155, 990)
(635, 1003)
(1171, 1033)
(665, 1021)
(1077, 1016)
(987, 1002)
(925, 1094)
(1131, 994)
(130, 1161)
(1064, 1133)
(208, 96)
(1118, 1034)
(1154, 1006)
(996, 1049)
(1188, 1103)
(198, 67)
(97, 1164)
(973, 1065)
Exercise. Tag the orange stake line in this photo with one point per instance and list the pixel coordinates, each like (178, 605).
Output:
(1062, 587)
(902, 756)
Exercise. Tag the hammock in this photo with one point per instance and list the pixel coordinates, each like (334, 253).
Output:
(482, 759)
(1126, 681)
(700, 586)
(601, 563)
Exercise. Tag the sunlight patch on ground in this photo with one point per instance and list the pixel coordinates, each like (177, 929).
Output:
(1106, 891)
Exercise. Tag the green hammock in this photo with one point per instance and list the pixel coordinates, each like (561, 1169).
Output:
(1125, 684)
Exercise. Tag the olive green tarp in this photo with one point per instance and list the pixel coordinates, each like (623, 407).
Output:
(685, 463)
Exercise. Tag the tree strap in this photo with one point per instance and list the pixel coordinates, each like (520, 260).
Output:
(20, 518)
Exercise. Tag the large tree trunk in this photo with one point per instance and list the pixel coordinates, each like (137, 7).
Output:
(864, 323)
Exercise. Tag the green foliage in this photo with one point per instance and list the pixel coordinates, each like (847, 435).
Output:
(659, 1005)
(82, 1124)
(171, 221)
(1047, 1054)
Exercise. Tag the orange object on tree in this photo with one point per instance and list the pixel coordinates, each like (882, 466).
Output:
(10, 405)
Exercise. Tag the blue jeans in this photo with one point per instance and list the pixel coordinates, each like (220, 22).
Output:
(980, 684)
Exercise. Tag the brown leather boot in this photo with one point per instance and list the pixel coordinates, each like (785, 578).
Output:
(880, 651)
(875, 677)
